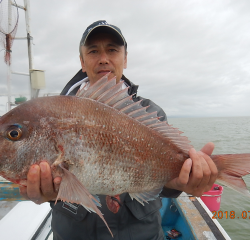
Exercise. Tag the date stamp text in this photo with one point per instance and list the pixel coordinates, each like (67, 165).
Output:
(230, 215)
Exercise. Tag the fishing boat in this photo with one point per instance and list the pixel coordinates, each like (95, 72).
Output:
(183, 218)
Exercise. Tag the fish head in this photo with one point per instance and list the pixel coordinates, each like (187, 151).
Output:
(24, 141)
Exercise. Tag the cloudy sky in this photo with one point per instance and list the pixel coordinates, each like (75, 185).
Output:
(190, 57)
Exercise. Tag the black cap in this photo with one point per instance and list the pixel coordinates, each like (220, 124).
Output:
(105, 27)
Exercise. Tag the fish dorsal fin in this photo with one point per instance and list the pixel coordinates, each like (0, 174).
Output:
(115, 95)
(92, 89)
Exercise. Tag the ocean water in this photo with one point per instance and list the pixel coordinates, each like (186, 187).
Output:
(230, 135)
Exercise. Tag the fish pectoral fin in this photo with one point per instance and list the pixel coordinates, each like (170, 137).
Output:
(73, 191)
(146, 196)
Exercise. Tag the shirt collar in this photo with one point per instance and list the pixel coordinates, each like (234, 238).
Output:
(85, 84)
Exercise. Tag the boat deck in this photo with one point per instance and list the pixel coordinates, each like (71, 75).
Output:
(191, 217)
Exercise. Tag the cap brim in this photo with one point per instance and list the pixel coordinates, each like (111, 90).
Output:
(105, 29)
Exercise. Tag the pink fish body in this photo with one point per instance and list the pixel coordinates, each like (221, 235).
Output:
(100, 142)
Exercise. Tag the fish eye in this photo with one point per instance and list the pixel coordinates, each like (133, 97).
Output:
(14, 134)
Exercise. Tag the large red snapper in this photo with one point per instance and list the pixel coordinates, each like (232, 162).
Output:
(101, 142)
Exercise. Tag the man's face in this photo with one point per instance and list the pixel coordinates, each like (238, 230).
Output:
(102, 54)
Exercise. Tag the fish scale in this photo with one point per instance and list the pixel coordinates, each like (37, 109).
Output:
(124, 151)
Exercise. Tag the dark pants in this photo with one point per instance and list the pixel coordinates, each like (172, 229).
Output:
(133, 221)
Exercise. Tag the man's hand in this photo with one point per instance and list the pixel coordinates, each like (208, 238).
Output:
(40, 185)
(198, 172)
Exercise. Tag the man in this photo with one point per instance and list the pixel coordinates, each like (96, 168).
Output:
(103, 49)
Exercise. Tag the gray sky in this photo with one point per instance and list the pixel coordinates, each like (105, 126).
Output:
(190, 57)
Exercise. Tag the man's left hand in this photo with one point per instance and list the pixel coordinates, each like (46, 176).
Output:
(198, 172)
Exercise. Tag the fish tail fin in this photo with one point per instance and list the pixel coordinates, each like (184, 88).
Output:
(231, 169)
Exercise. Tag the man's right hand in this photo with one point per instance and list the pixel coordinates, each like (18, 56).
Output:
(40, 185)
